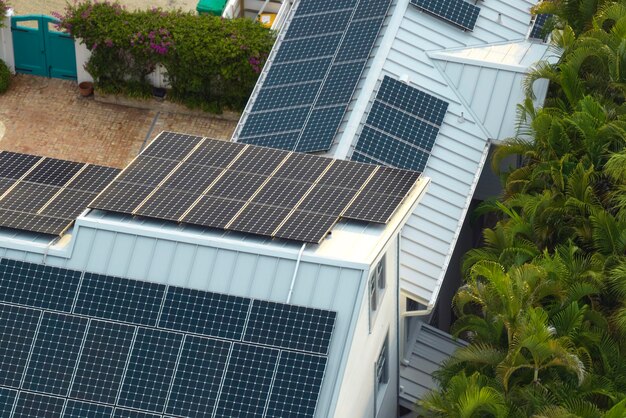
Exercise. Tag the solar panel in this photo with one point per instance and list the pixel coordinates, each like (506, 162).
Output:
(97, 366)
(537, 31)
(457, 12)
(273, 193)
(303, 167)
(167, 204)
(260, 219)
(31, 405)
(347, 174)
(330, 22)
(127, 413)
(310, 39)
(215, 153)
(306, 227)
(198, 312)
(102, 362)
(14, 165)
(290, 384)
(147, 171)
(93, 178)
(373, 207)
(214, 212)
(35, 223)
(28, 197)
(77, 409)
(119, 299)
(53, 172)
(172, 146)
(259, 160)
(297, 72)
(7, 399)
(121, 197)
(68, 204)
(392, 182)
(247, 380)
(37, 285)
(327, 200)
(150, 369)
(17, 327)
(5, 184)
(191, 178)
(236, 185)
(401, 127)
(54, 354)
(301, 328)
(198, 376)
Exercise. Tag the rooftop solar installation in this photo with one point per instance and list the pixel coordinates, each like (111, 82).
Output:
(78, 344)
(45, 195)
(313, 75)
(537, 30)
(251, 189)
(458, 12)
(401, 127)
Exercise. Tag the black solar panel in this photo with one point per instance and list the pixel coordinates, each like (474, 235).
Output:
(458, 12)
(28, 197)
(340, 83)
(306, 227)
(94, 367)
(35, 223)
(119, 299)
(68, 204)
(167, 204)
(401, 127)
(359, 39)
(347, 174)
(260, 161)
(373, 207)
(320, 130)
(392, 182)
(260, 219)
(302, 329)
(302, 167)
(370, 8)
(14, 165)
(274, 192)
(215, 153)
(285, 140)
(147, 171)
(291, 95)
(259, 124)
(93, 178)
(537, 31)
(5, 184)
(236, 185)
(327, 200)
(129, 413)
(172, 146)
(315, 6)
(214, 212)
(53, 172)
(121, 197)
(192, 178)
(308, 48)
(297, 72)
(311, 25)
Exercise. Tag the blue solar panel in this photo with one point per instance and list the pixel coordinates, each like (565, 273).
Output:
(308, 48)
(100, 368)
(297, 376)
(458, 12)
(103, 359)
(359, 39)
(247, 381)
(295, 327)
(17, 327)
(340, 84)
(403, 126)
(307, 42)
(331, 22)
(416, 102)
(279, 121)
(321, 129)
(7, 399)
(199, 312)
(200, 369)
(55, 353)
(150, 369)
(287, 96)
(315, 6)
(78, 409)
(537, 30)
(297, 72)
(36, 285)
(31, 405)
(119, 299)
(390, 151)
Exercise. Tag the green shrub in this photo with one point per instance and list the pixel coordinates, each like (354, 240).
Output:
(5, 77)
(4, 6)
(211, 63)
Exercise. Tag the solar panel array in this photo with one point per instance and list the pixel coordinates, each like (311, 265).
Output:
(537, 30)
(46, 195)
(252, 189)
(458, 12)
(77, 344)
(401, 127)
(314, 74)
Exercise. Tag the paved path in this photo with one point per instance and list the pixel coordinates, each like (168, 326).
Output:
(48, 117)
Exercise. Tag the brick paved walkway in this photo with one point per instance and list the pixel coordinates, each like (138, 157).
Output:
(48, 117)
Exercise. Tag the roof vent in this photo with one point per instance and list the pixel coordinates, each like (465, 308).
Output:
(405, 78)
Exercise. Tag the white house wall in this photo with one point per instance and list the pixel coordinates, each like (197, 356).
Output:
(197, 266)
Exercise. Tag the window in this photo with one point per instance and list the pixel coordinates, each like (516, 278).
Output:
(373, 293)
(377, 284)
(382, 374)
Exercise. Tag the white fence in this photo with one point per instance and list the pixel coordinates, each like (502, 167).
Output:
(6, 43)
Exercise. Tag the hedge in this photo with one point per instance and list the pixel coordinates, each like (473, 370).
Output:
(211, 63)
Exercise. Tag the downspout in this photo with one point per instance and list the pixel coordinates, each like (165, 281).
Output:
(295, 273)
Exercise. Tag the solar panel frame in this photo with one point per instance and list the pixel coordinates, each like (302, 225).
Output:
(359, 37)
(281, 192)
(457, 12)
(327, 200)
(538, 24)
(5, 184)
(391, 151)
(402, 126)
(314, 6)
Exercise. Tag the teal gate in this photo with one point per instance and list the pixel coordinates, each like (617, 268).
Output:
(40, 50)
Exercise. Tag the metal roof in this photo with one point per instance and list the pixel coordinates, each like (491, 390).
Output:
(429, 350)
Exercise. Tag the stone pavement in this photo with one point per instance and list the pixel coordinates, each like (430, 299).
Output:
(45, 116)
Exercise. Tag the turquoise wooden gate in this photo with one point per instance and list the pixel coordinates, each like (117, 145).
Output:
(40, 50)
